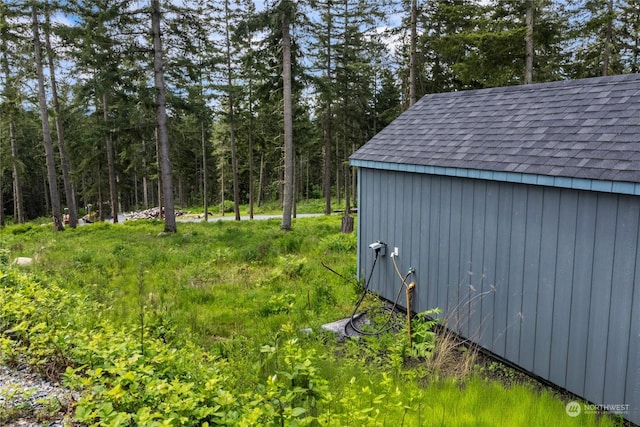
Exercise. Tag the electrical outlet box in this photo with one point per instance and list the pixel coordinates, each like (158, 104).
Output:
(379, 247)
(395, 251)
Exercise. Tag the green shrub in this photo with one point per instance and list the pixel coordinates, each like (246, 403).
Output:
(423, 333)
(228, 206)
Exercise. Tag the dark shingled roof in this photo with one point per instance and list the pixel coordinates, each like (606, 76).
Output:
(588, 128)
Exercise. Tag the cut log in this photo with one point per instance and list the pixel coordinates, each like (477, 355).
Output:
(347, 224)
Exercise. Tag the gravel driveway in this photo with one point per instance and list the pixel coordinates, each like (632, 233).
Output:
(29, 400)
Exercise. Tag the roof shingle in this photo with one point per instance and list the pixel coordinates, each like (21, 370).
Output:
(588, 128)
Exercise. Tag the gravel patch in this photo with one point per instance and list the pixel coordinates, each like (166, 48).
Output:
(26, 399)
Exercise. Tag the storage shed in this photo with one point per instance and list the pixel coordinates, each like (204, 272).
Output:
(519, 208)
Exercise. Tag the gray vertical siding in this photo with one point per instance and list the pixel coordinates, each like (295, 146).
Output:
(545, 277)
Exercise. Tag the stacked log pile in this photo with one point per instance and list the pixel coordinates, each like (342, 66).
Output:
(152, 213)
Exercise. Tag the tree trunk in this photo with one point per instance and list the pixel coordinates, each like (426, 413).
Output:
(232, 124)
(636, 51)
(145, 183)
(251, 161)
(18, 206)
(295, 185)
(413, 97)
(608, 39)
(354, 180)
(528, 66)
(136, 191)
(308, 183)
(261, 179)
(58, 224)
(161, 113)
(159, 183)
(326, 178)
(338, 186)
(64, 161)
(288, 121)
(113, 192)
(100, 199)
(205, 175)
(347, 219)
(347, 223)
(222, 185)
(45, 186)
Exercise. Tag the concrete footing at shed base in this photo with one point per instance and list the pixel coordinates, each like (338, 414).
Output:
(343, 327)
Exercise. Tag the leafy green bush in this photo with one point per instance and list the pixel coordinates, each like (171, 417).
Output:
(126, 377)
(423, 334)
(228, 206)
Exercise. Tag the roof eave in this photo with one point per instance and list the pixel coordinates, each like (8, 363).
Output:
(605, 186)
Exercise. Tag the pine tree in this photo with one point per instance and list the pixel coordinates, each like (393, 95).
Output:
(287, 11)
(64, 160)
(161, 115)
(96, 44)
(323, 36)
(596, 33)
(276, 85)
(630, 36)
(54, 195)
(11, 40)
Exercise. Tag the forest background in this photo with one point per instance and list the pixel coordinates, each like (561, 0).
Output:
(263, 102)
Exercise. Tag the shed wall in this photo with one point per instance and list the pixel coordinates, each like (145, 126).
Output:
(544, 277)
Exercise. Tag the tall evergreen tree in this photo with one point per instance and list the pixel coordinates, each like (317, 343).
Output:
(231, 112)
(323, 38)
(413, 52)
(528, 61)
(54, 195)
(596, 34)
(287, 11)
(161, 112)
(276, 84)
(11, 58)
(229, 86)
(470, 45)
(62, 152)
(97, 42)
(387, 100)
(630, 35)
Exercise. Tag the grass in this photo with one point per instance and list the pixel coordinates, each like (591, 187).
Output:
(242, 293)
(310, 206)
(194, 278)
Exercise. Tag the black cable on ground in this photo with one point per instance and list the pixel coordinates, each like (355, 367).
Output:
(387, 325)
